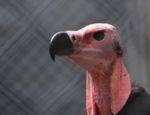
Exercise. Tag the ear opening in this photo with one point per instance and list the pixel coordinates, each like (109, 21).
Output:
(117, 48)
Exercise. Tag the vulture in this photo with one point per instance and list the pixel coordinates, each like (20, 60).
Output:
(97, 49)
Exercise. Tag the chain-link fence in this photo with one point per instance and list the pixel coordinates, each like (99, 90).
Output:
(31, 83)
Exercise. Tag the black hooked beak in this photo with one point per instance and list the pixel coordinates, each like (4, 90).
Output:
(61, 45)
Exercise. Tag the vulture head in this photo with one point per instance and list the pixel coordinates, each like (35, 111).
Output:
(97, 49)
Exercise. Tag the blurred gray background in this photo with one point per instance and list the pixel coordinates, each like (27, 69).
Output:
(31, 83)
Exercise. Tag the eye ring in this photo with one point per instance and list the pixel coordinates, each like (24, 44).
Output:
(98, 36)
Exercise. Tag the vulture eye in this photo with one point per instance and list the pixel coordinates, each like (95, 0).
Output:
(98, 36)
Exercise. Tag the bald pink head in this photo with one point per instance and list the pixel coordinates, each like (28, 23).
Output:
(97, 49)
(92, 49)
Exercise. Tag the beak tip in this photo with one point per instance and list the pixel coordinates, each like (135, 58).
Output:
(52, 55)
(53, 58)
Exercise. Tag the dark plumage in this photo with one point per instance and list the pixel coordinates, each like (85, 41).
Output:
(138, 102)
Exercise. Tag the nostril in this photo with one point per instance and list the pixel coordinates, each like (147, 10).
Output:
(74, 38)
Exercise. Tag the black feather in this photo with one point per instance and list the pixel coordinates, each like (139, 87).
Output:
(138, 102)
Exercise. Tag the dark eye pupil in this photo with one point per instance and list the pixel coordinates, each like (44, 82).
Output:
(99, 36)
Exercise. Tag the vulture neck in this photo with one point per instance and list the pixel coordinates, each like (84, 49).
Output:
(98, 92)
(108, 88)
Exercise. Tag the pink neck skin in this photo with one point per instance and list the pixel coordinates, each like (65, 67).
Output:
(98, 96)
(98, 93)
(108, 88)
(108, 85)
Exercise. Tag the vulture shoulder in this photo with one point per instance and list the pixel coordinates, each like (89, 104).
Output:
(138, 102)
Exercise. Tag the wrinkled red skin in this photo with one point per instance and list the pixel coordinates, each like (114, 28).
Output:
(108, 82)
